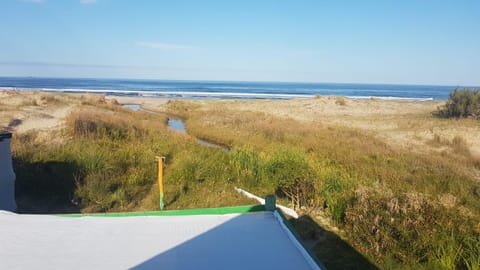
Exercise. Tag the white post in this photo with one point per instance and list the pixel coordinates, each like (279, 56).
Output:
(7, 176)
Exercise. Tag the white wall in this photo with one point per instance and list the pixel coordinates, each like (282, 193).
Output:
(7, 176)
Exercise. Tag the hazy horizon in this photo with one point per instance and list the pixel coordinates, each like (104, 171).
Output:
(408, 42)
(237, 81)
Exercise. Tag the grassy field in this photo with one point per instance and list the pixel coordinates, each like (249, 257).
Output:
(105, 161)
(365, 202)
(400, 208)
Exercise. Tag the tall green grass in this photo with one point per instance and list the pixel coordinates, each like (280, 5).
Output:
(106, 162)
(387, 201)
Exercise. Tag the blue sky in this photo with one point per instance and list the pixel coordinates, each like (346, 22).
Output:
(407, 42)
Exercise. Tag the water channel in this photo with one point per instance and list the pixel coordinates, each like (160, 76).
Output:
(178, 126)
(175, 125)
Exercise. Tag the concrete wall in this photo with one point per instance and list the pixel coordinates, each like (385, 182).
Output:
(7, 176)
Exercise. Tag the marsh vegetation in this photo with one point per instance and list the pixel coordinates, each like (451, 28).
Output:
(397, 207)
(401, 208)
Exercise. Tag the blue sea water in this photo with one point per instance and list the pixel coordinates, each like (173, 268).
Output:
(226, 90)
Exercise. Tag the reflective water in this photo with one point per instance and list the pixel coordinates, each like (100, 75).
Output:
(175, 124)
(179, 126)
(135, 107)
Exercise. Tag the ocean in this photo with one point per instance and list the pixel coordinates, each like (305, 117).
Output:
(226, 89)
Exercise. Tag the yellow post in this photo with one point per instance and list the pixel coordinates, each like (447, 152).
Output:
(160, 180)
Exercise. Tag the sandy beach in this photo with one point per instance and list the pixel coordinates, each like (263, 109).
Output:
(407, 124)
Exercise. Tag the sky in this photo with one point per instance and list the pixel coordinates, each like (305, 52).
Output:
(435, 42)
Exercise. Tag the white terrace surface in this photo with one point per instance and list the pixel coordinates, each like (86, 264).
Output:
(231, 241)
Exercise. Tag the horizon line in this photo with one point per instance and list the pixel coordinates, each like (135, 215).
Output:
(240, 81)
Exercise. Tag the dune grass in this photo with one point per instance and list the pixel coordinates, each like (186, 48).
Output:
(402, 209)
(107, 163)
(398, 208)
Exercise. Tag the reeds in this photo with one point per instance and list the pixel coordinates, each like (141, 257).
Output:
(388, 202)
(385, 199)
(110, 153)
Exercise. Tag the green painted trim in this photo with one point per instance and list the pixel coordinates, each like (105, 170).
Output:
(186, 212)
(292, 230)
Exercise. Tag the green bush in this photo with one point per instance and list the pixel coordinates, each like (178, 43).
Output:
(289, 170)
(461, 103)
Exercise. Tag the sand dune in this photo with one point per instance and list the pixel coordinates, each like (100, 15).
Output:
(400, 123)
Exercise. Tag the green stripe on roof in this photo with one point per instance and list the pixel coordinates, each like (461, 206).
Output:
(186, 212)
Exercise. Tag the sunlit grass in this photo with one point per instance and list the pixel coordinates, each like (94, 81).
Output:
(389, 202)
(404, 209)
(110, 153)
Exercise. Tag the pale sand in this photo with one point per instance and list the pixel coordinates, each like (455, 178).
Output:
(142, 101)
(24, 111)
(406, 124)
(21, 112)
(400, 123)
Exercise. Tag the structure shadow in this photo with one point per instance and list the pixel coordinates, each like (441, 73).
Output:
(248, 241)
(328, 247)
(45, 187)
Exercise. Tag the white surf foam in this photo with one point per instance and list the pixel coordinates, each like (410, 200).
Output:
(203, 94)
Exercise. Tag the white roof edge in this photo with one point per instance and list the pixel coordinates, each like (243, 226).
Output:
(296, 243)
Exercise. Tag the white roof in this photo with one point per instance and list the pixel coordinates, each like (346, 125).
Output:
(232, 241)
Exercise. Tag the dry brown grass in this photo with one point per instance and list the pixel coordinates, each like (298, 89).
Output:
(340, 101)
(357, 151)
(400, 123)
(397, 183)
(105, 162)
(414, 184)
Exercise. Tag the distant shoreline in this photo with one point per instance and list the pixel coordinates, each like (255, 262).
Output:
(204, 95)
(224, 90)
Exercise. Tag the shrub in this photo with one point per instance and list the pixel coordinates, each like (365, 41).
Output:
(461, 103)
(340, 101)
(292, 175)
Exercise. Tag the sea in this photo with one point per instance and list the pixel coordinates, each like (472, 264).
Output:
(227, 89)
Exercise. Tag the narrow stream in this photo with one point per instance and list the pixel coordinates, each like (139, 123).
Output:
(134, 107)
(176, 125)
